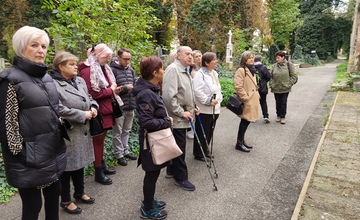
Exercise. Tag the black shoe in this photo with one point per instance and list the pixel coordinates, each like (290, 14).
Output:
(66, 209)
(122, 161)
(247, 146)
(100, 177)
(242, 148)
(130, 156)
(87, 201)
(201, 158)
(107, 170)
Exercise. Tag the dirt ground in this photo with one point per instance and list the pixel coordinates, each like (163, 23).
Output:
(334, 188)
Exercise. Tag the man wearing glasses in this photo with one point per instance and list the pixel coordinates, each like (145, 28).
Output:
(125, 77)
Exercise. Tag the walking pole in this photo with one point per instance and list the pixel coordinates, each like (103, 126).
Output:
(212, 136)
(202, 151)
(207, 145)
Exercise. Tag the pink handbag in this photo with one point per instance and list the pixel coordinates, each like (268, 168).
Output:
(163, 146)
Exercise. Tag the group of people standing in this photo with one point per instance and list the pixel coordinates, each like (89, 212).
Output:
(251, 85)
(34, 105)
(41, 157)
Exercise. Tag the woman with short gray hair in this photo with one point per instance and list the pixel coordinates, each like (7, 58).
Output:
(32, 144)
(77, 107)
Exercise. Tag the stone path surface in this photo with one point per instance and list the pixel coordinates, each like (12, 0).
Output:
(334, 189)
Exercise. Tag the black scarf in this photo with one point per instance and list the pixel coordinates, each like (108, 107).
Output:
(252, 69)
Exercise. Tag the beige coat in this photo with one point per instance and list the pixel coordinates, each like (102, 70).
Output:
(177, 93)
(247, 91)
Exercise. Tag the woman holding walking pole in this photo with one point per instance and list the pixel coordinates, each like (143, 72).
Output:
(208, 97)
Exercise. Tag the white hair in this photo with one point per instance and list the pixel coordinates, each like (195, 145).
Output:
(26, 34)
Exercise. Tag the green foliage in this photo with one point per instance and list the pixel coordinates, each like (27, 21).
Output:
(297, 56)
(322, 29)
(224, 72)
(162, 34)
(311, 34)
(202, 11)
(316, 7)
(228, 89)
(82, 23)
(240, 42)
(6, 191)
(341, 74)
(272, 50)
(312, 59)
(283, 21)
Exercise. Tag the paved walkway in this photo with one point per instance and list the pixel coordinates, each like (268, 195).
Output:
(332, 188)
(263, 184)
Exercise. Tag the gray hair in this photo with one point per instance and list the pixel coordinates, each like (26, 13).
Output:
(63, 57)
(26, 34)
(181, 48)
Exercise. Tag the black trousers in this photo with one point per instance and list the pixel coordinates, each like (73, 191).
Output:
(263, 104)
(281, 104)
(32, 202)
(178, 167)
(77, 177)
(207, 121)
(149, 187)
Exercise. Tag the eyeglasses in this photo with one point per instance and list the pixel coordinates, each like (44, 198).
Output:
(126, 59)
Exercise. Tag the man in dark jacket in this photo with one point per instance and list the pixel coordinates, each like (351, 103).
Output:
(263, 76)
(125, 77)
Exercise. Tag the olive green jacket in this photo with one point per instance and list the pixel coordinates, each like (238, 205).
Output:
(282, 79)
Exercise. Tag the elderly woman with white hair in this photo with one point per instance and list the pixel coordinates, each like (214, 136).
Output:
(33, 147)
(101, 84)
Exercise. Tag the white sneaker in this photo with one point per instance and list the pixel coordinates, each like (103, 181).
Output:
(266, 120)
(282, 121)
(277, 119)
(190, 134)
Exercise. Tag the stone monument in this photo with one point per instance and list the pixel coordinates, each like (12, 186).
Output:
(229, 51)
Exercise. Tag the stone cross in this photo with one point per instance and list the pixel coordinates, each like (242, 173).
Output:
(230, 34)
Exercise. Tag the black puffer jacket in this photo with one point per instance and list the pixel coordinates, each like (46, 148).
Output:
(152, 117)
(124, 76)
(263, 77)
(43, 156)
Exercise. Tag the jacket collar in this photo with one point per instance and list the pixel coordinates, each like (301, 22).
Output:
(31, 68)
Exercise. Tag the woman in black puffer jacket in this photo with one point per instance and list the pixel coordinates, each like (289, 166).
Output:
(32, 144)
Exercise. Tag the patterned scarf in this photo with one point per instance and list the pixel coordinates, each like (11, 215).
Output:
(97, 77)
(13, 136)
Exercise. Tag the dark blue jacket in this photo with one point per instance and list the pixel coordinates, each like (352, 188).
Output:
(152, 117)
(124, 76)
